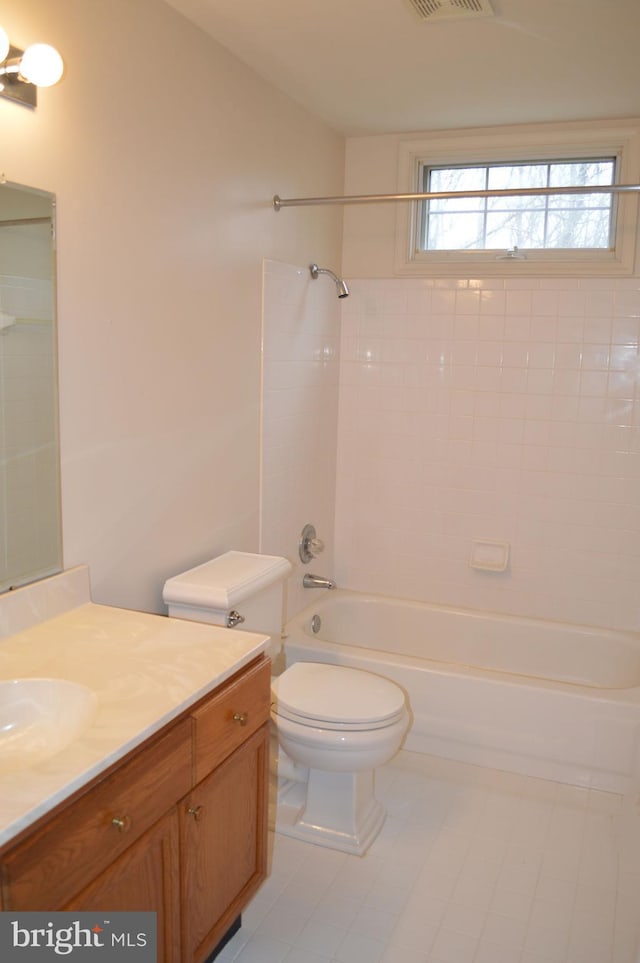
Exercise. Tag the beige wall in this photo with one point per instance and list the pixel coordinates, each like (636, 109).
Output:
(371, 167)
(163, 151)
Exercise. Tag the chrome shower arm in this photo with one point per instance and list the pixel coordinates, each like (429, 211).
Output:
(341, 288)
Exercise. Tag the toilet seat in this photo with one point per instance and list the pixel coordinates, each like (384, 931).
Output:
(337, 697)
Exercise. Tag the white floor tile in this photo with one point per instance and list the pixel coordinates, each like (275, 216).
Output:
(414, 933)
(550, 942)
(562, 892)
(389, 895)
(471, 866)
(473, 892)
(298, 955)
(321, 938)
(402, 954)
(284, 921)
(511, 903)
(374, 922)
(489, 952)
(336, 909)
(263, 950)
(356, 948)
(505, 931)
(464, 919)
(452, 947)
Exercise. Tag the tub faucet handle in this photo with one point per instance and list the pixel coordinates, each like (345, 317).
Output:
(310, 545)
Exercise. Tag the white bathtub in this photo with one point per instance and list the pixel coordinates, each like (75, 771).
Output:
(543, 698)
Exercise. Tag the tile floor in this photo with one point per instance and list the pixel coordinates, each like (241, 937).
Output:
(471, 866)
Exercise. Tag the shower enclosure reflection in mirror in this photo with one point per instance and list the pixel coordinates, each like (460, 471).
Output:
(30, 530)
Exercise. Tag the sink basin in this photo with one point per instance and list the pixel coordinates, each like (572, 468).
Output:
(39, 718)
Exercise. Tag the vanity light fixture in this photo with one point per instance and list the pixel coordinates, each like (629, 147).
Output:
(23, 71)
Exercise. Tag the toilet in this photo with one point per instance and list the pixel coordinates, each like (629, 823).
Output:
(335, 725)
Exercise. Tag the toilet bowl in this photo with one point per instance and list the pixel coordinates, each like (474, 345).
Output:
(335, 726)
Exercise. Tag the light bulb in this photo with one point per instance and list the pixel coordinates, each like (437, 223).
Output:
(4, 44)
(41, 65)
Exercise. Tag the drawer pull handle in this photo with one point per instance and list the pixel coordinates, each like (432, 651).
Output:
(196, 811)
(122, 825)
(241, 717)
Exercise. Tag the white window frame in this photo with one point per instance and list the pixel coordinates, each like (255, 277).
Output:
(619, 139)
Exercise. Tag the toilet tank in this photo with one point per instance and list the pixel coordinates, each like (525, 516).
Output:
(251, 585)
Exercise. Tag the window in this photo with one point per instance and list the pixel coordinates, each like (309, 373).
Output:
(530, 222)
(546, 234)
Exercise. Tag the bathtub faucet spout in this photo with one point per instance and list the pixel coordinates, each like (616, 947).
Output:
(316, 581)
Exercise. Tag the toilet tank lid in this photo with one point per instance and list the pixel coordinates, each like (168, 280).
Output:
(226, 580)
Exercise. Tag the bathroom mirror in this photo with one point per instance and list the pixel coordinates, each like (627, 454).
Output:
(30, 530)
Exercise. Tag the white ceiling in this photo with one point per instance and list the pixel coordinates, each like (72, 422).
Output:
(372, 66)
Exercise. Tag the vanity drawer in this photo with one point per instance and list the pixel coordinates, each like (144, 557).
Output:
(224, 722)
(74, 846)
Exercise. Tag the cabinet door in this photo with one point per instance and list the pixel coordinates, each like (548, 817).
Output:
(223, 824)
(146, 878)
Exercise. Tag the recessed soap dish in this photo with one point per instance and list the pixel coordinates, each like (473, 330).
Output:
(489, 556)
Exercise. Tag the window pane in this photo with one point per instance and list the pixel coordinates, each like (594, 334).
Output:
(458, 179)
(455, 232)
(582, 173)
(567, 229)
(520, 175)
(461, 205)
(517, 228)
(580, 202)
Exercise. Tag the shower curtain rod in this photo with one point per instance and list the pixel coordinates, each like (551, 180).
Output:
(280, 202)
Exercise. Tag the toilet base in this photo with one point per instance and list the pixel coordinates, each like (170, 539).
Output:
(333, 809)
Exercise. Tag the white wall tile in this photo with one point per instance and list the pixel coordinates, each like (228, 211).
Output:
(524, 407)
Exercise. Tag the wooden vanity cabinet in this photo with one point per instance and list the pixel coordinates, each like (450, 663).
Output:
(178, 827)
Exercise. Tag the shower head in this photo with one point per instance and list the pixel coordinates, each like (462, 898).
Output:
(341, 288)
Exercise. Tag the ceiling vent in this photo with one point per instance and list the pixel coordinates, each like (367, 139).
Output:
(451, 9)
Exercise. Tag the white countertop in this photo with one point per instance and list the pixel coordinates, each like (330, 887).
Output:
(144, 669)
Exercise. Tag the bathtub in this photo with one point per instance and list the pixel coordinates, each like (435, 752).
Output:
(542, 698)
